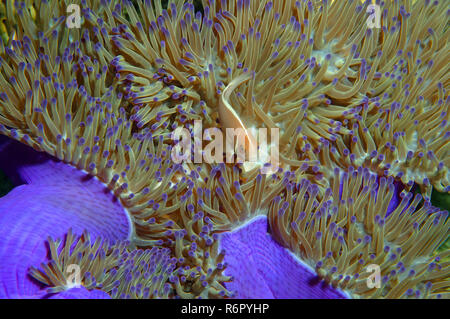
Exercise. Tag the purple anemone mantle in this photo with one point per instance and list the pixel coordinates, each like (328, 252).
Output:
(263, 269)
(51, 197)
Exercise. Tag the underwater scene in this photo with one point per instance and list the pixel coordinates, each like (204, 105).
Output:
(224, 149)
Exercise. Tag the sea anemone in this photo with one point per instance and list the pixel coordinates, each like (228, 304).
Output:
(104, 99)
(314, 79)
(143, 274)
(354, 226)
